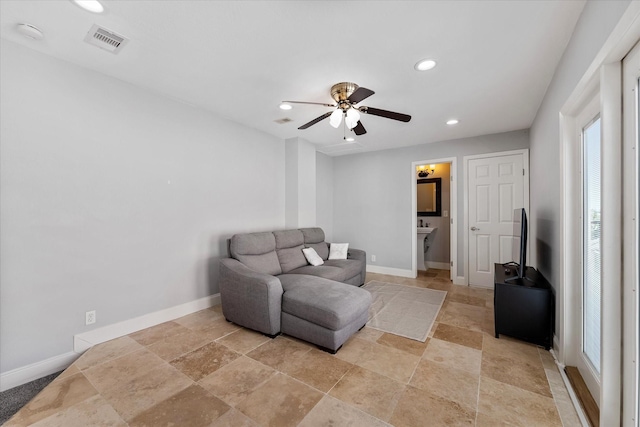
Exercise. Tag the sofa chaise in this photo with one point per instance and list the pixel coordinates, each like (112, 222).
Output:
(267, 285)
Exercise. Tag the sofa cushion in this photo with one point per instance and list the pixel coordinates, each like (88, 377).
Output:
(323, 302)
(350, 267)
(314, 238)
(289, 245)
(257, 251)
(325, 271)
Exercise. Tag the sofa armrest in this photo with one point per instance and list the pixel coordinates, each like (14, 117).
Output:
(249, 298)
(360, 255)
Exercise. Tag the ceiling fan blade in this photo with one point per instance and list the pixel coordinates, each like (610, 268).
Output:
(316, 120)
(384, 113)
(359, 129)
(360, 94)
(310, 103)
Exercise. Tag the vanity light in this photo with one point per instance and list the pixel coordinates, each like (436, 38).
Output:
(93, 6)
(453, 122)
(424, 65)
(424, 171)
(285, 106)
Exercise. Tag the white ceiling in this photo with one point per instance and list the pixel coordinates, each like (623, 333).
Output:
(239, 59)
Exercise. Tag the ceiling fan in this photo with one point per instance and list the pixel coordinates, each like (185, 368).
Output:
(347, 95)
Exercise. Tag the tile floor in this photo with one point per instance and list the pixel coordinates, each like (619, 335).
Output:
(200, 370)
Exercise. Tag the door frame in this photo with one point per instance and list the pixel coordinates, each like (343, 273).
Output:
(525, 163)
(453, 212)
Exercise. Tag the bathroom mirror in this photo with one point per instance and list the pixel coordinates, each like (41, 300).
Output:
(429, 198)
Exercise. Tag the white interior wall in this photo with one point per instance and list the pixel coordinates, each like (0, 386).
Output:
(300, 183)
(324, 194)
(545, 223)
(372, 195)
(114, 199)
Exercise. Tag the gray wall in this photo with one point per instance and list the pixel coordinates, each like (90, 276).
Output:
(372, 194)
(324, 194)
(594, 26)
(114, 199)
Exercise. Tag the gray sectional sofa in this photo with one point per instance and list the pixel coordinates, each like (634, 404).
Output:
(267, 285)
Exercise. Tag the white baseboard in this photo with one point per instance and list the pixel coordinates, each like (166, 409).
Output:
(390, 271)
(25, 374)
(438, 265)
(459, 280)
(84, 341)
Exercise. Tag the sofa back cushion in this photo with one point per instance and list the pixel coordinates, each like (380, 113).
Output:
(289, 245)
(257, 251)
(314, 238)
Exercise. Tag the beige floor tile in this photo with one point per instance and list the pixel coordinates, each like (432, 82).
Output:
(159, 332)
(243, 340)
(368, 391)
(192, 407)
(58, 396)
(368, 334)
(204, 360)
(176, 345)
(233, 382)
(440, 286)
(547, 359)
(354, 349)
(467, 299)
(280, 402)
(234, 418)
(218, 329)
(405, 344)
(90, 412)
(421, 408)
(453, 384)
(141, 392)
(462, 336)
(528, 373)
(393, 363)
(114, 372)
(561, 397)
(71, 370)
(199, 320)
(317, 369)
(454, 355)
(515, 405)
(107, 351)
(277, 352)
(464, 316)
(335, 413)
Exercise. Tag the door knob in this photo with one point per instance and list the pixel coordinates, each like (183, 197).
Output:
(474, 229)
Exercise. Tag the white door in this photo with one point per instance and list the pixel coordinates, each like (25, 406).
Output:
(496, 187)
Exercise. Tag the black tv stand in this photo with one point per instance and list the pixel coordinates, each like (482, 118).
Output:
(523, 307)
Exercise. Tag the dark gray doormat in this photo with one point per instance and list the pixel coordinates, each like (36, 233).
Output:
(12, 400)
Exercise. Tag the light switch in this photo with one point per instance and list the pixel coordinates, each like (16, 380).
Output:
(445, 214)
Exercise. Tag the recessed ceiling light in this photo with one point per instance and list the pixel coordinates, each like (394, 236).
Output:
(425, 64)
(453, 122)
(285, 106)
(350, 139)
(93, 6)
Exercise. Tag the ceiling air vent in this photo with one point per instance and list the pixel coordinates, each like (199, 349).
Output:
(283, 121)
(105, 39)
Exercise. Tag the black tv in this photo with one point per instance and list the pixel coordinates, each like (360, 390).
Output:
(519, 245)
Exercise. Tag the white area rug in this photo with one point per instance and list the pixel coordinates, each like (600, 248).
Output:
(403, 310)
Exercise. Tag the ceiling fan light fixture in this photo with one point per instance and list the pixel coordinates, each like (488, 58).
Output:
(335, 118)
(352, 118)
(424, 64)
(285, 106)
(349, 139)
(93, 6)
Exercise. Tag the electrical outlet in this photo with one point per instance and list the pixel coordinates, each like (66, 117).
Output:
(373, 258)
(90, 317)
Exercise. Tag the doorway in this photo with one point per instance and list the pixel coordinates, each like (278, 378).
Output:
(495, 185)
(444, 238)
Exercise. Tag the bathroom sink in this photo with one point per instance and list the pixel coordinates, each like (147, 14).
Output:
(425, 230)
